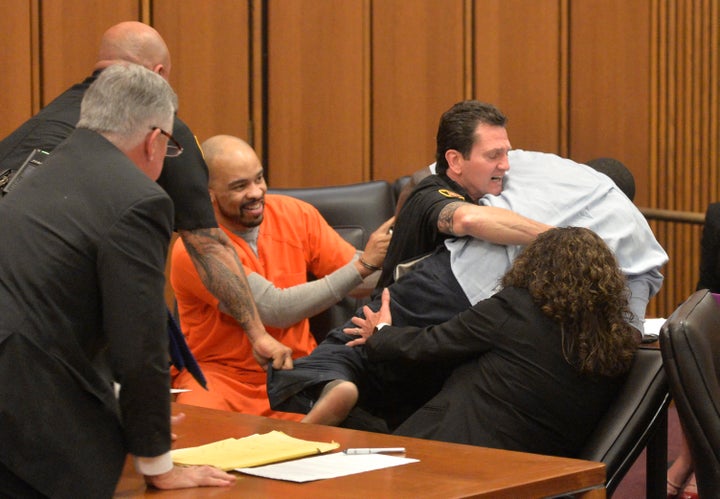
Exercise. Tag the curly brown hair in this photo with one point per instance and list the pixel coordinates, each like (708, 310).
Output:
(575, 279)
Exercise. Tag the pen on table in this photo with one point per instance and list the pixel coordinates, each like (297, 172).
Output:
(374, 450)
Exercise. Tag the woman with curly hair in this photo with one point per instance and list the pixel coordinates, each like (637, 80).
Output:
(538, 362)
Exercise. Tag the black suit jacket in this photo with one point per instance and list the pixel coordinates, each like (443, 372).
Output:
(512, 388)
(82, 252)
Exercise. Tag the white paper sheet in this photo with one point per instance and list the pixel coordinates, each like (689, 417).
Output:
(652, 329)
(326, 466)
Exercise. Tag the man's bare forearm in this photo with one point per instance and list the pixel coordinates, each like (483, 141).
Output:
(222, 274)
(492, 224)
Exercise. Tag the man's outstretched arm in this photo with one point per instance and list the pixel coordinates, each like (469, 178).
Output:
(222, 273)
(493, 224)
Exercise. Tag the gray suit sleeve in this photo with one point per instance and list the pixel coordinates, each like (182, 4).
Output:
(282, 307)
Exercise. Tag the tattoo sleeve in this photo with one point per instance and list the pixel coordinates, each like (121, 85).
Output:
(445, 219)
(222, 274)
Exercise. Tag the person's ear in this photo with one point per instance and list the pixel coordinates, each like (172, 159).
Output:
(151, 144)
(213, 197)
(454, 160)
(161, 70)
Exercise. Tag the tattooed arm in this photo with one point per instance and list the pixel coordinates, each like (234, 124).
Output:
(496, 225)
(222, 274)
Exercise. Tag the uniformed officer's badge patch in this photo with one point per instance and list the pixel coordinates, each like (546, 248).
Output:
(451, 194)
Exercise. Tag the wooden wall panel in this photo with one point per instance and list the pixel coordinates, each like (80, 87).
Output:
(16, 54)
(684, 132)
(610, 84)
(519, 67)
(418, 72)
(686, 107)
(209, 47)
(71, 32)
(354, 88)
(317, 120)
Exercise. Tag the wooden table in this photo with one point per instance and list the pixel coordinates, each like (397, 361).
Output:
(444, 471)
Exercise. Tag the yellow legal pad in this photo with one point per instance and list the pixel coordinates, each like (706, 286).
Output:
(254, 450)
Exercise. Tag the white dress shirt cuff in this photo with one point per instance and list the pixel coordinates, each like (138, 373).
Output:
(153, 465)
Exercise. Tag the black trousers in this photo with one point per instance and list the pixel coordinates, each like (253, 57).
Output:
(427, 295)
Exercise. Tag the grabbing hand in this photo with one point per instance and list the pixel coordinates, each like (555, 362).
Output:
(377, 245)
(366, 326)
(182, 477)
(267, 349)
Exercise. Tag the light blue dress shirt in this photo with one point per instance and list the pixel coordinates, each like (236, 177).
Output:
(562, 193)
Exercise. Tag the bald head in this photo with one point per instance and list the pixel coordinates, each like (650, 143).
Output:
(134, 42)
(237, 185)
(226, 155)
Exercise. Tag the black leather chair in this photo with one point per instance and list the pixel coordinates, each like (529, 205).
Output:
(690, 344)
(399, 185)
(637, 419)
(354, 211)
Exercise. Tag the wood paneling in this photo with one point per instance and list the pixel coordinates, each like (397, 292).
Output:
(70, 34)
(351, 90)
(316, 92)
(16, 77)
(519, 67)
(610, 84)
(418, 72)
(685, 110)
(208, 43)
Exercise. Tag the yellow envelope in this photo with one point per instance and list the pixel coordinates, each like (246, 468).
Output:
(254, 450)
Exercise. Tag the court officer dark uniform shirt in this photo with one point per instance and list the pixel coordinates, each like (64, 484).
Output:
(416, 228)
(184, 178)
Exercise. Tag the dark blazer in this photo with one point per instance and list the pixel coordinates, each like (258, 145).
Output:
(514, 389)
(710, 250)
(83, 243)
(387, 389)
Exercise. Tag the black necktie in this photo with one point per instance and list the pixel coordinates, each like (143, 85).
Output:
(180, 354)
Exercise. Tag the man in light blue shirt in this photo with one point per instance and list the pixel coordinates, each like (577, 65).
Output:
(545, 187)
(560, 192)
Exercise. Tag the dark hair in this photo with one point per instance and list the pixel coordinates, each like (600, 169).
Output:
(457, 128)
(618, 172)
(575, 279)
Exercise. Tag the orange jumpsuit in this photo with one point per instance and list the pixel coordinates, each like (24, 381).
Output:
(293, 240)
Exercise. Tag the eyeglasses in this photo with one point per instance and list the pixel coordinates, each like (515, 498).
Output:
(174, 149)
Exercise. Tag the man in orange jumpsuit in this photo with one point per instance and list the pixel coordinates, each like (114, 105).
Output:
(279, 240)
